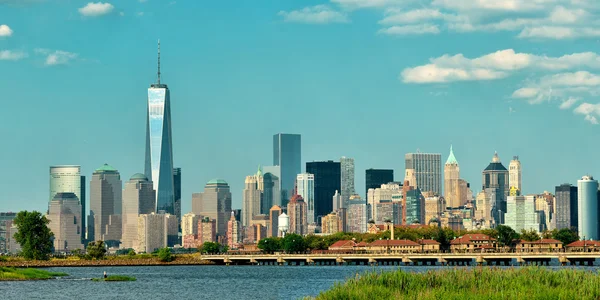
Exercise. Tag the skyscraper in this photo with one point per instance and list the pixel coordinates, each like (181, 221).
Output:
(251, 199)
(565, 206)
(215, 203)
(177, 194)
(495, 176)
(297, 211)
(415, 207)
(274, 214)
(269, 192)
(357, 215)
(521, 213)
(347, 180)
(305, 184)
(274, 173)
(337, 201)
(138, 198)
(155, 231)
(288, 156)
(514, 174)
(327, 176)
(189, 229)
(374, 178)
(451, 181)
(587, 200)
(159, 148)
(233, 232)
(426, 171)
(64, 214)
(68, 179)
(106, 204)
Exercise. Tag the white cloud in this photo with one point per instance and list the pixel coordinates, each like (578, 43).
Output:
(591, 119)
(356, 4)
(526, 92)
(434, 74)
(494, 5)
(410, 29)
(96, 9)
(56, 57)
(568, 103)
(394, 16)
(12, 55)
(590, 111)
(5, 31)
(563, 15)
(319, 14)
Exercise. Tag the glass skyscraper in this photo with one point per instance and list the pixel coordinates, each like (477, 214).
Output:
(374, 178)
(587, 200)
(287, 155)
(159, 145)
(327, 176)
(68, 179)
(306, 188)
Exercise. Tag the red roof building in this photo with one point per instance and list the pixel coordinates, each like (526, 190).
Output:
(476, 242)
(583, 246)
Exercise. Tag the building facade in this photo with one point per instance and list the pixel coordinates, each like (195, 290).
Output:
(495, 176)
(425, 169)
(514, 174)
(233, 232)
(270, 191)
(452, 186)
(215, 203)
(415, 207)
(106, 204)
(251, 199)
(327, 176)
(274, 214)
(138, 198)
(64, 214)
(331, 224)
(287, 154)
(347, 178)
(297, 213)
(207, 231)
(68, 179)
(587, 205)
(154, 231)
(189, 230)
(521, 214)
(565, 206)
(356, 216)
(177, 194)
(305, 184)
(374, 178)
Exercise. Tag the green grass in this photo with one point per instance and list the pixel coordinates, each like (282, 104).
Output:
(7, 273)
(480, 283)
(115, 278)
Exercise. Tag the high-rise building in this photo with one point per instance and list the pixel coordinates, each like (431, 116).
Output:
(297, 212)
(154, 231)
(374, 178)
(587, 206)
(415, 207)
(233, 232)
(207, 230)
(327, 176)
(215, 203)
(485, 204)
(495, 176)
(514, 174)
(106, 204)
(274, 214)
(287, 154)
(274, 173)
(138, 198)
(251, 199)
(521, 213)
(356, 215)
(337, 201)
(427, 171)
(269, 191)
(189, 229)
(64, 214)
(385, 193)
(434, 207)
(565, 206)
(159, 145)
(68, 179)
(452, 190)
(388, 211)
(305, 184)
(331, 224)
(347, 179)
(177, 194)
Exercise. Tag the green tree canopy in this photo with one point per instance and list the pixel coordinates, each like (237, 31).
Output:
(33, 235)
(565, 235)
(506, 235)
(96, 250)
(164, 255)
(270, 245)
(210, 248)
(293, 243)
(530, 235)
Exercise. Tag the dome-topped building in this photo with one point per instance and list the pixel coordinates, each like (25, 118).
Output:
(495, 176)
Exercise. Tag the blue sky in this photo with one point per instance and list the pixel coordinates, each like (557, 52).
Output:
(369, 79)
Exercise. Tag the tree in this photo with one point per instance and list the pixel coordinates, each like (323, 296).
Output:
(33, 235)
(293, 243)
(314, 242)
(530, 236)
(566, 236)
(270, 245)
(96, 250)
(506, 235)
(210, 248)
(131, 252)
(164, 255)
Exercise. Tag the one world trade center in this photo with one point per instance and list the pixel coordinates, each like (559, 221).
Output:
(159, 146)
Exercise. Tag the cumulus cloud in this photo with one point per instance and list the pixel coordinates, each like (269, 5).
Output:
(410, 29)
(495, 5)
(5, 31)
(356, 4)
(319, 14)
(96, 9)
(12, 55)
(568, 103)
(56, 57)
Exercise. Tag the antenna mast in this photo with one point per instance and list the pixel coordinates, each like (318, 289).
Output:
(159, 61)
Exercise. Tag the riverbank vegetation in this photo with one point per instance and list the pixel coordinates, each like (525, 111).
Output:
(9, 274)
(478, 283)
(115, 278)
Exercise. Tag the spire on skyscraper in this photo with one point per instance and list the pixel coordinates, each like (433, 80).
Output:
(158, 61)
(496, 159)
(451, 159)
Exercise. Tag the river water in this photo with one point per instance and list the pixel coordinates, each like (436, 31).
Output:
(194, 282)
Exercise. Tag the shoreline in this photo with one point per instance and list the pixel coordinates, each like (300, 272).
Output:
(122, 262)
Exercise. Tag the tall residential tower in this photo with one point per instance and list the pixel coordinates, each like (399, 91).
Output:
(424, 171)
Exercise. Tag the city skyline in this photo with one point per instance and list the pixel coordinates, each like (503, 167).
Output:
(116, 134)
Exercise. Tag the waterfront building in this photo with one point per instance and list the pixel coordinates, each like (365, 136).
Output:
(452, 190)
(12, 246)
(415, 207)
(587, 205)
(177, 194)
(356, 217)
(274, 214)
(521, 214)
(374, 178)
(159, 147)
(274, 173)
(207, 231)
(287, 154)
(6, 219)
(68, 179)
(233, 232)
(514, 174)
(154, 231)
(426, 171)
(189, 230)
(495, 176)
(331, 224)
(215, 203)
(327, 176)
(64, 214)
(347, 179)
(106, 204)
(251, 199)
(138, 198)
(297, 215)
(565, 206)
(305, 184)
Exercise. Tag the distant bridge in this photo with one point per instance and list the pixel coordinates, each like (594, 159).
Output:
(406, 259)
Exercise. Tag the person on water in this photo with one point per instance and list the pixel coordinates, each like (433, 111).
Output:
(105, 275)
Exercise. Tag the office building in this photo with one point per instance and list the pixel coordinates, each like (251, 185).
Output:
(452, 188)
(337, 201)
(287, 154)
(514, 174)
(207, 231)
(138, 198)
(189, 230)
(331, 224)
(215, 203)
(587, 206)
(415, 207)
(106, 204)
(356, 215)
(159, 147)
(374, 178)
(388, 211)
(424, 171)
(486, 208)
(154, 231)
(177, 194)
(347, 179)
(64, 215)
(305, 184)
(565, 206)
(6, 219)
(68, 179)
(327, 176)
(274, 214)
(495, 176)
(251, 198)
(233, 232)
(434, 207)
(270, 191)
(297, 213)
(521, 214)
(385, 193)
(274, 173)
